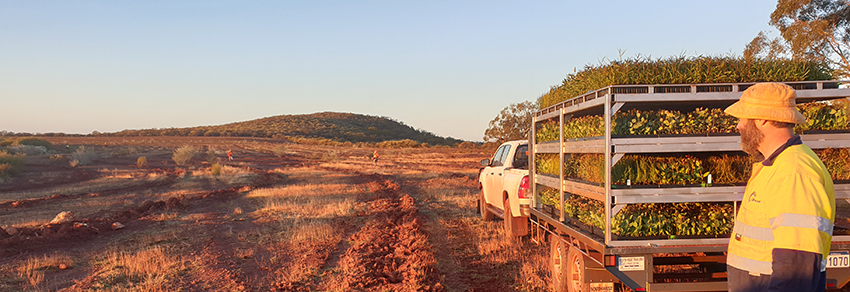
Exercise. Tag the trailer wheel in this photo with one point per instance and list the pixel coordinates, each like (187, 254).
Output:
(482, 207)
(558, 263)
(576, 269)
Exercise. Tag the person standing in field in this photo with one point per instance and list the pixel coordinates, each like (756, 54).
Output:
(783, 230)
(375, 158)
(230, 155)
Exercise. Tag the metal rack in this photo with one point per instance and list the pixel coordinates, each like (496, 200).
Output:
(607, 101)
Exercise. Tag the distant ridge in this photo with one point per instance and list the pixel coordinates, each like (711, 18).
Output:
(341, 127)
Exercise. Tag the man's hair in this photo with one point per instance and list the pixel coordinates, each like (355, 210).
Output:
(782, 124)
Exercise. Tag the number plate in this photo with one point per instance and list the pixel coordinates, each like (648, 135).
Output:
(630, 263)
(601, 287)
(839, 259)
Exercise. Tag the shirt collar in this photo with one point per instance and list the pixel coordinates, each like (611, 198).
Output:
(795, 140)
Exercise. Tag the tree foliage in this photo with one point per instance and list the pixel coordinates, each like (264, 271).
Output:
(513, 123)
(817, 30)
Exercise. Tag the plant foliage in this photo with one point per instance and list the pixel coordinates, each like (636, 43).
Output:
(683, 70)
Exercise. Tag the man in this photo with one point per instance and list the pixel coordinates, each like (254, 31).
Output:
(783, 231)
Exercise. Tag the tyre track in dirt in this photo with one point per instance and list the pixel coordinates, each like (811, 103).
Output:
(456, 242)
(389, 251)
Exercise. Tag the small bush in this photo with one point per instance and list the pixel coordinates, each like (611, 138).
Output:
(10, 164)
(141, 162)
(330, 156)
(28, 149)
(215, 169)
(82, 156)
(183, 154)
(4, 143)
(211, 156)
(280, 151)
(34, 142)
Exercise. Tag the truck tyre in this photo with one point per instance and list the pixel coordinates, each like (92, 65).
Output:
(514, 226)
(576, 272)
(558, 263)
(482, 208)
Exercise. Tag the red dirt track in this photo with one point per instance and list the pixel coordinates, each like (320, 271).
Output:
(224, 239)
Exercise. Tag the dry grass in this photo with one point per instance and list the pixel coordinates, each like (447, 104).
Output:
(145, 270)
(308, 200)
(32, 270)
(313, 231)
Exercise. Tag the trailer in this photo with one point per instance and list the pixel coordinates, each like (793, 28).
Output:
(588, 258)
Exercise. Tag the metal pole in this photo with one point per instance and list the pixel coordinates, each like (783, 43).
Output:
(607, 161)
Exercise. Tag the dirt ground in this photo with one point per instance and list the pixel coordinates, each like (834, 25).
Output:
(279, 216)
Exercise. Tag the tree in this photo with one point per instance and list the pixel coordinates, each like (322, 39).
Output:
(817, 30)
(513, 123)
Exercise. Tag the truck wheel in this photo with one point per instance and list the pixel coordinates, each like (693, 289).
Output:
(576, 269)
(514, 226)
(482, 208)
(558, 263)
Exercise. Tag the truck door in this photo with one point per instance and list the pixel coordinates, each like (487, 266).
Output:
(497, 176)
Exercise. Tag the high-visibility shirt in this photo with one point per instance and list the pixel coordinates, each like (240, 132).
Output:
(789, 203)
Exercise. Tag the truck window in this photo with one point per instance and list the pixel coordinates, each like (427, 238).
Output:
(499, 157)
(521, 157)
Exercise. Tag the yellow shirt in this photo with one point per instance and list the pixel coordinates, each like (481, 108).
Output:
(789, 203)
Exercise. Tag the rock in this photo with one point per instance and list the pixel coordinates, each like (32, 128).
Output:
(11, 231)
(63, 217)
(117, 225)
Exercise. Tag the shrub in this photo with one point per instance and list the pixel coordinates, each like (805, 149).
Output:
(10, 164)
(406, 143)
(280, 150)
(330, 156)
(211, 156)
(34, 142)
(466, 145)
(4, 143)
(28, 149)
(183, 154)
(215, 169)
(141, 162)
(82, 156)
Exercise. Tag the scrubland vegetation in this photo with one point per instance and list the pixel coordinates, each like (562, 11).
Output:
(279, 217)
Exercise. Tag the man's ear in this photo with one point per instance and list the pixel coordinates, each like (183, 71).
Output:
(760, 124)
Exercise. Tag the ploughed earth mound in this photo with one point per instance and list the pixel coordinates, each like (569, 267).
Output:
(390, 251)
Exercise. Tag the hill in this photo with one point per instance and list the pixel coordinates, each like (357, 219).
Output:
(340, 127)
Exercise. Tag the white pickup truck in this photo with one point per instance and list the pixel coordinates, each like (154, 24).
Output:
(505, 189)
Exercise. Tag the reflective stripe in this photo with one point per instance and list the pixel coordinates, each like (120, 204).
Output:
(757, 233)
(802, 221)
(750, 265)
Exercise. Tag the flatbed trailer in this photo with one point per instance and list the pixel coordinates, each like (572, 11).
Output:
(586, 258)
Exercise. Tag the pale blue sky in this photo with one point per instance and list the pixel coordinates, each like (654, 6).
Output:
(447, 67)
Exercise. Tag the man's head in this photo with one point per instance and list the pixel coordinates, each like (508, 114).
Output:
(762, 105)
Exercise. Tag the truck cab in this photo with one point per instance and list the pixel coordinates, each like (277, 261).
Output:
(505, 188)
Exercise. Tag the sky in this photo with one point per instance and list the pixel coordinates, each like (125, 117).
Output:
(446, 67)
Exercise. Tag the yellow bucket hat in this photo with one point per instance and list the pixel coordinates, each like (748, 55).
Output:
(768, 101)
